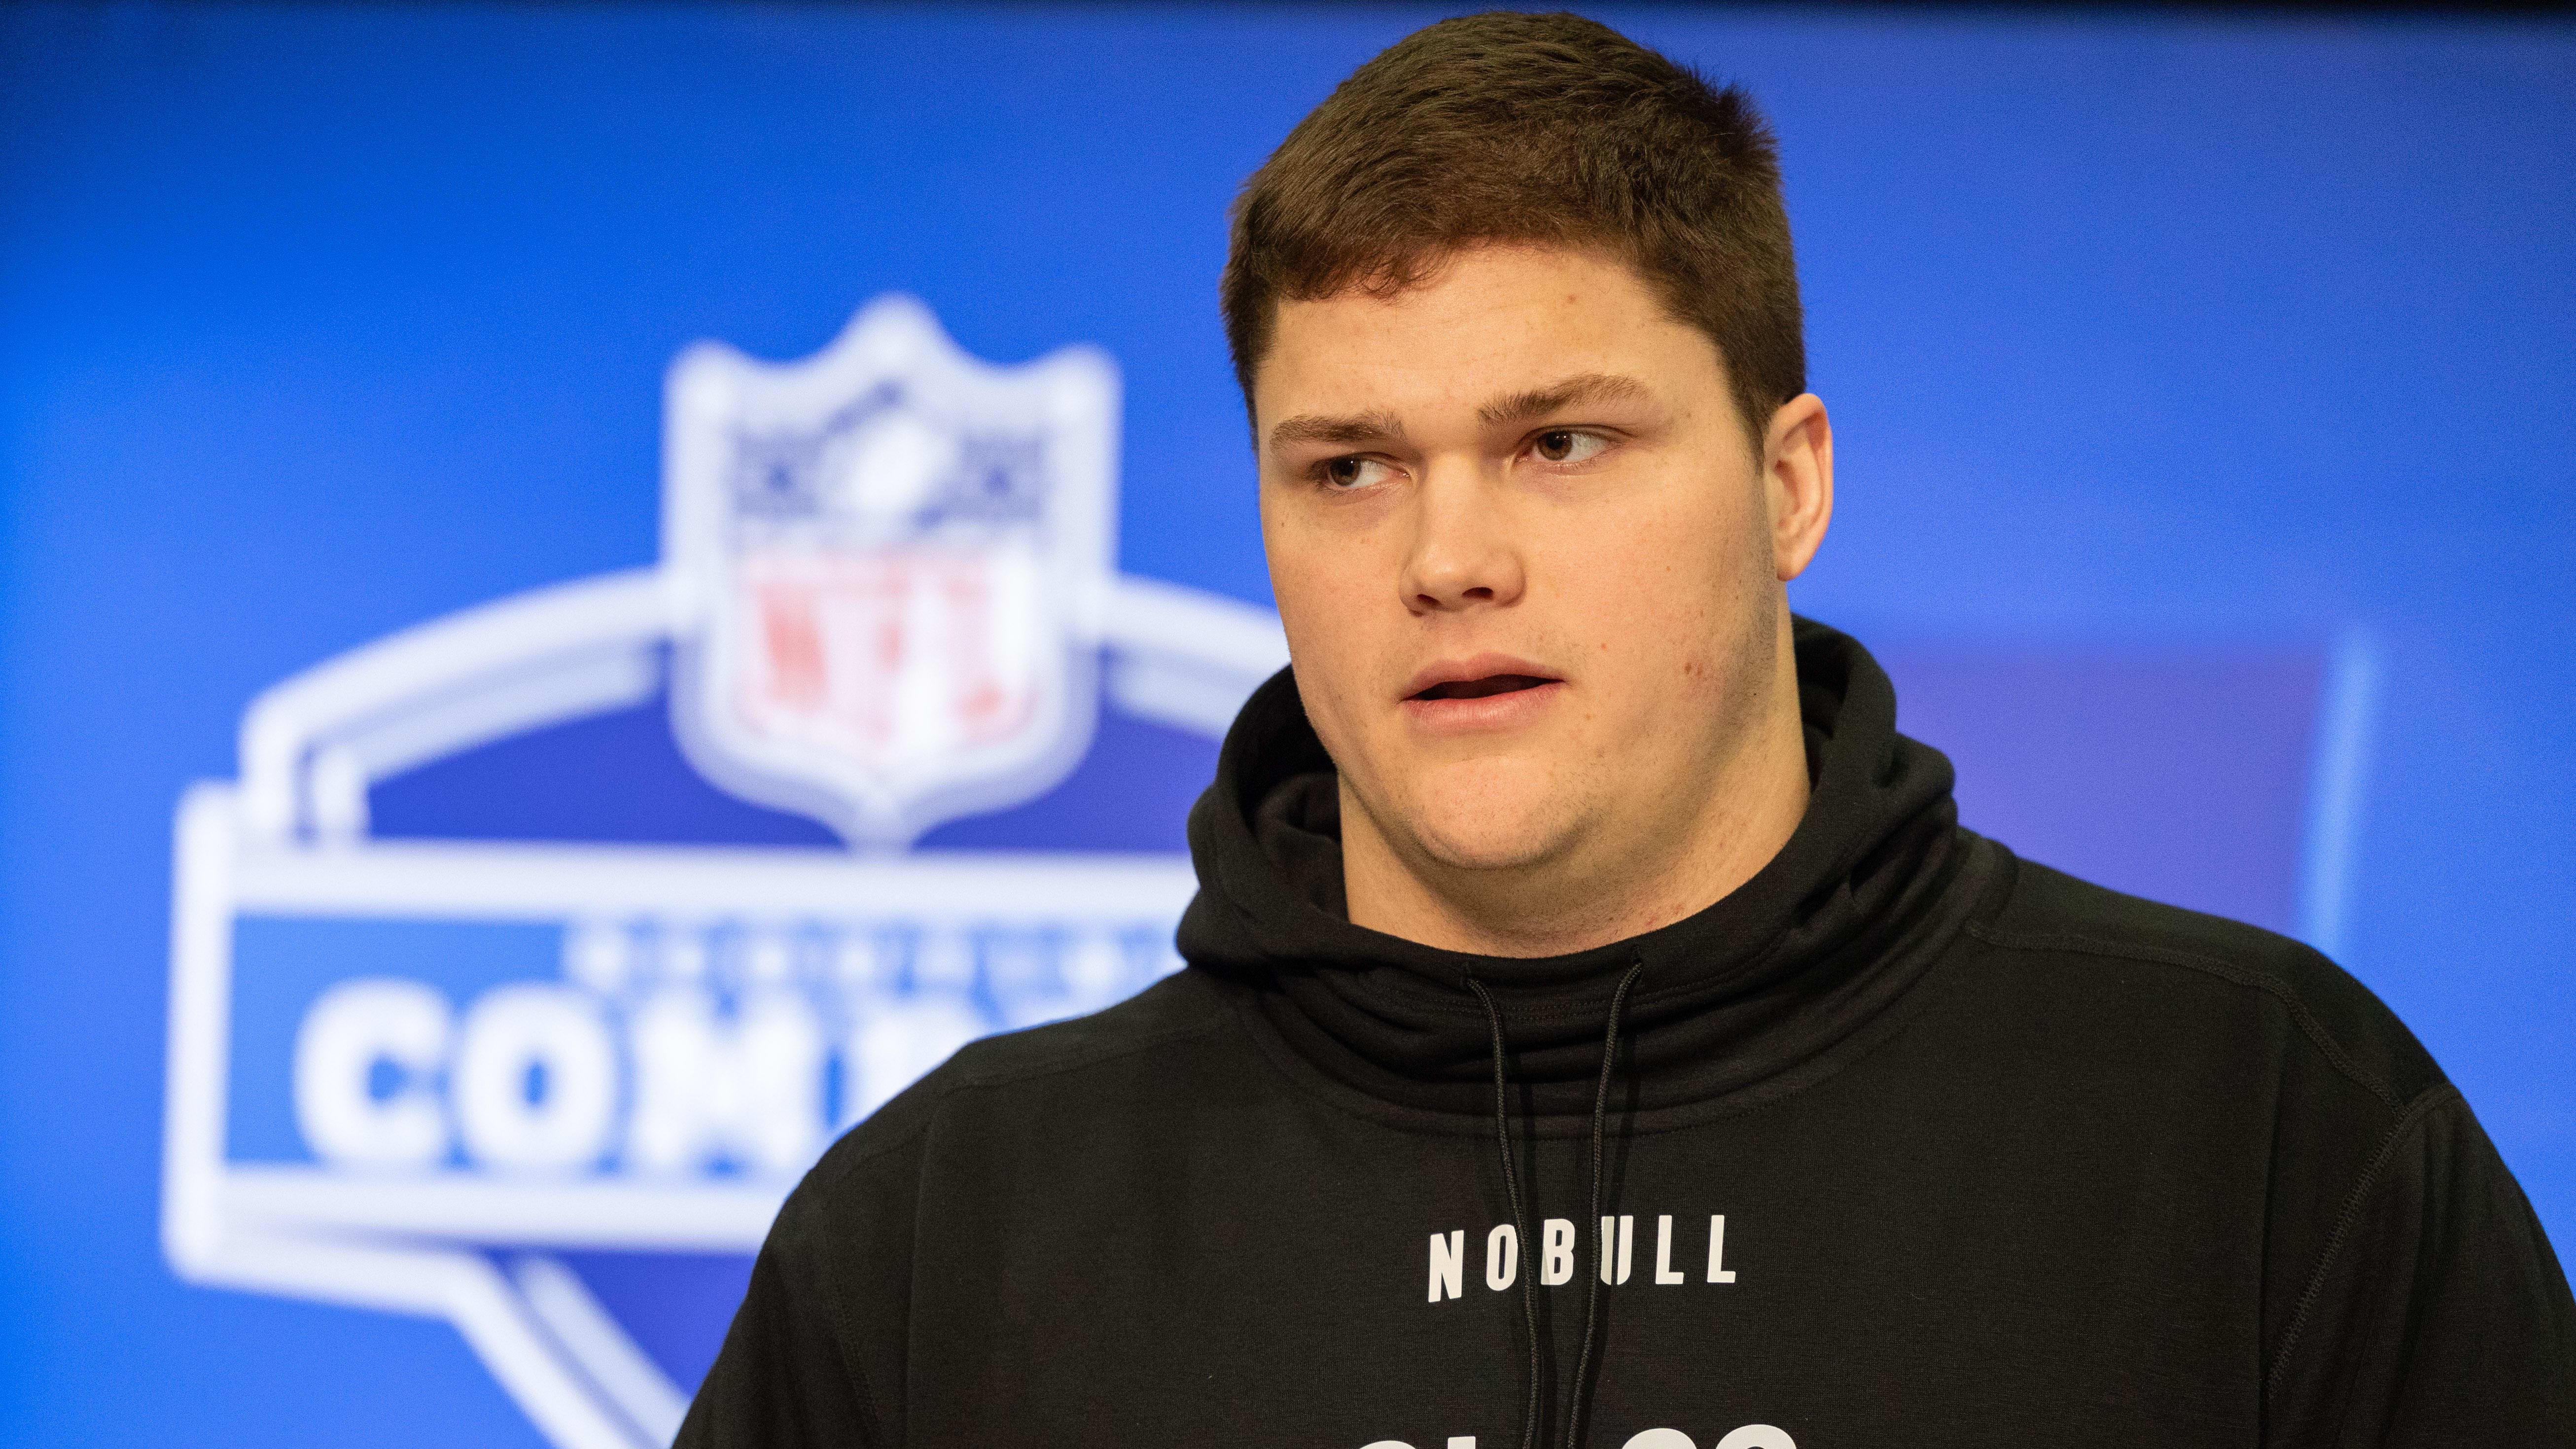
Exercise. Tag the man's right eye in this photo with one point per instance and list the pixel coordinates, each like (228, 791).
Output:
(1347, 474)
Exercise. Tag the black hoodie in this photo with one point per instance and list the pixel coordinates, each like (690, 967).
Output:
(1905, 1142)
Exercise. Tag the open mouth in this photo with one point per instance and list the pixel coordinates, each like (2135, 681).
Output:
(1491, 684)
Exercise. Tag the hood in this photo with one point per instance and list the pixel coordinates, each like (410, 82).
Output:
(1747, 994)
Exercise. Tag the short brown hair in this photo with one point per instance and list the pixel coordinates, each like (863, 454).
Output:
(1553, 129)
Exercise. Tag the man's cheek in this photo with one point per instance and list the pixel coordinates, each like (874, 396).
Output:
(1345, 732)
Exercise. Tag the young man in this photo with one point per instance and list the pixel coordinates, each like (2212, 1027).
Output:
(1599, 1029)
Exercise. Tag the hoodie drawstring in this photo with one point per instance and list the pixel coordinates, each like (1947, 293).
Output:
(1526, 1269)
(1581, 1398)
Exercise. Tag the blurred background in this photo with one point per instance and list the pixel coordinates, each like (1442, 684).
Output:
(411, 1005)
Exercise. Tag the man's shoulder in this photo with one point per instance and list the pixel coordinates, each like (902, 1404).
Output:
(1098, 1060)
(2063, 923)
(1173, 1010)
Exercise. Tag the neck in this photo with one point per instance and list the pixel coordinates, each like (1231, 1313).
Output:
(1607, 884)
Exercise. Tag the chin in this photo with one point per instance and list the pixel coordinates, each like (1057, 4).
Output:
(1489, 828)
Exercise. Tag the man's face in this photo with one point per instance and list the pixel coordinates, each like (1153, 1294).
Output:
(1526, 557)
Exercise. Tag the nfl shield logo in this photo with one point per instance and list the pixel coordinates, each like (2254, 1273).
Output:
(897, 558)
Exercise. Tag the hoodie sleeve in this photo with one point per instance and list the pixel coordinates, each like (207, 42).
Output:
(782, 1378)
(792, 1370)
(2438, 1313)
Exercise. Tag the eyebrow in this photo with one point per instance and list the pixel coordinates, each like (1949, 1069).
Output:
(1588, 387)
(1349, 431)
(1354, 429)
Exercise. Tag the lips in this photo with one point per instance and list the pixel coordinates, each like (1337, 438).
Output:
(1490, 694)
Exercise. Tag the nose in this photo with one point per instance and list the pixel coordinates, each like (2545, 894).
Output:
(1463, 552)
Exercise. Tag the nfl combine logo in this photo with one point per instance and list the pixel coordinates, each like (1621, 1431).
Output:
(539, 948)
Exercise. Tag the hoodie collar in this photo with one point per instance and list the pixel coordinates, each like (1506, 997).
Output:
(1817, 944)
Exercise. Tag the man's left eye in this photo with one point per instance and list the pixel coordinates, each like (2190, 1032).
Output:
(1567, 446)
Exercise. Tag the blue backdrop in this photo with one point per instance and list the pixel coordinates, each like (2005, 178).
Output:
(2199, 383)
